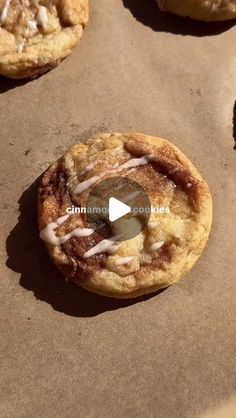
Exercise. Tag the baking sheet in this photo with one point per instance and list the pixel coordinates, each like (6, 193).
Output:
(70, 354)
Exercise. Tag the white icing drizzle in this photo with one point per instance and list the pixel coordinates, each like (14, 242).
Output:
(123, 260)
(115, 166)
(5, 10)
(72, 180)
(134, 162)
(89, 167)
(119, 186)
(48, 233)
(214, 7)
(96, 228)
(32, 25)
(62, 219)
(157, 245)
(153, 224)
(20, 47)
(81, 187)
(42, 17)
(104, 246)
(173, 170)
(131, 196)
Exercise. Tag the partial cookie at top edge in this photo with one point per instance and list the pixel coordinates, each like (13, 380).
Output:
(206, 10)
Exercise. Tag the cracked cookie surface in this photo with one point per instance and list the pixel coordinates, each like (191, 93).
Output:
(165, 250)
(35, 35)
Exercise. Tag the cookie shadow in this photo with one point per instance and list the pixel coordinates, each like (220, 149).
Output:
(27, 256)
(147, 12)
(11, 83)
(7, 84)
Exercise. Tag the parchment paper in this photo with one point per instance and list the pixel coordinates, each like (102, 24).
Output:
(66, 353)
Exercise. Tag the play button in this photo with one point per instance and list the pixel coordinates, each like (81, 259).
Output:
(117, 209)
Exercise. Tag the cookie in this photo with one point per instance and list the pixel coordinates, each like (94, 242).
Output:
(35, 35)
(207, 10)
(162, 253)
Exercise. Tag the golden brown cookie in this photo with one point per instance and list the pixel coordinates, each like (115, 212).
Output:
(208, 10)
(165, 250)
(35, 35)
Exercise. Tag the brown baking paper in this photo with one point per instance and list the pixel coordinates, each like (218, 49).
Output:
(67, 353)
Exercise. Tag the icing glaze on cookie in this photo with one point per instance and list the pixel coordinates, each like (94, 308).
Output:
(48, 233)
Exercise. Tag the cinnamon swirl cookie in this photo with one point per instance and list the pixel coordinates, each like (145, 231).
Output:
(35, 35)
(208, 10)
(91, 252)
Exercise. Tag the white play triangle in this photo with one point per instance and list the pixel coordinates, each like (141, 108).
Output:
(117, 209)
